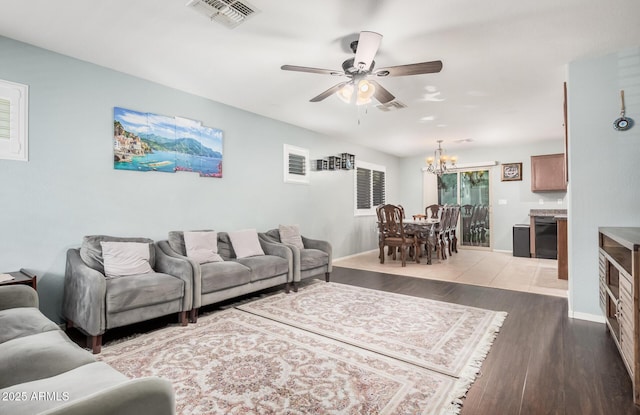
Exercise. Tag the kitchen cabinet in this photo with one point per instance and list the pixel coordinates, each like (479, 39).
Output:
(563, 252)
(548, 173)
(619, 267)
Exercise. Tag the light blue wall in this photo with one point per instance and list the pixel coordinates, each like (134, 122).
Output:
(517, 194)
(69, 188)
(603, 164)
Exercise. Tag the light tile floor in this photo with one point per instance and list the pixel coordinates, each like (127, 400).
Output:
(485, 268)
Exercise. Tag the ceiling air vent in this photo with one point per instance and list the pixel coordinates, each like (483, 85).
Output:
(391, 106)
(228, 12)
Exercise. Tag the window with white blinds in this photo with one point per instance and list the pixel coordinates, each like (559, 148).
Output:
(13, 121)
(5, 111)
(296, 164)
(369, 187)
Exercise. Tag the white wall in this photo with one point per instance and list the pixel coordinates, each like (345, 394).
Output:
(69, 188)
(603, 164)
(517, 194)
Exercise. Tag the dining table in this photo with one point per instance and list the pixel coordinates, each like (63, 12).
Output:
(425, 229)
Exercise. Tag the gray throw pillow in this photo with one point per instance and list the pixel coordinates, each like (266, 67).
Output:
(290, 234)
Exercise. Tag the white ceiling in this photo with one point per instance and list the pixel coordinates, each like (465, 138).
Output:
(504, 60)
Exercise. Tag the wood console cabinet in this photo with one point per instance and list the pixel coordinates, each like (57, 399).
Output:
(619, 283)
(548, 173)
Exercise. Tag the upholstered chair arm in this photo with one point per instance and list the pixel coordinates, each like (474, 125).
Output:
(180, 268)
(281, 250)
(321, 245)
(84, 295)
(196, 272)
(18, 295)
(141, 396)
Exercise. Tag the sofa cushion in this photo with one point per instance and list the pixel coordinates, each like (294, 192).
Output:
(313, 258)
(39, 356)
(266, 266)
(202, 246)
(225, 249)
(125, 258)
(130, 292)
(23, 321)
(176, 241)
(290, 234)
(246, 243)
(66, 387)
(220, 275)
(91, 251)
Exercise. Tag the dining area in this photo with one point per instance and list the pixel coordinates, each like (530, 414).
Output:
(419, 237)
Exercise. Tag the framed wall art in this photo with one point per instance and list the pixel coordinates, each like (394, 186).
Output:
(151, 142)
(511, 172)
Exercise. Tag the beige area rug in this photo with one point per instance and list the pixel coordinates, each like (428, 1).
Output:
(343, 350)
(233, 362)
(448, 338)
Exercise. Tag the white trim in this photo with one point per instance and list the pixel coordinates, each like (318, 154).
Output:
(353, 255)
(17, 146)
(587, 317)
(504, 251)
(295, 178)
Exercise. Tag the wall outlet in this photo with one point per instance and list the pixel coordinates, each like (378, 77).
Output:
(541, 201)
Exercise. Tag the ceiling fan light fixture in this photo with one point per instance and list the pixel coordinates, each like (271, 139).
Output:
(365, 91)
(345, 93)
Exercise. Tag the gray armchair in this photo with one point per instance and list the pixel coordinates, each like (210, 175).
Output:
(95, 303)
(315, 259)
(217, 281)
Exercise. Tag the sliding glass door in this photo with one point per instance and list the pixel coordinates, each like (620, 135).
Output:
(470, 189)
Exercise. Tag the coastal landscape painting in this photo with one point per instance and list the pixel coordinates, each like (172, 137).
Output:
(152, 142)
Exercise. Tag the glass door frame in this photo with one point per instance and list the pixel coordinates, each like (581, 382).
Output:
(431, 195)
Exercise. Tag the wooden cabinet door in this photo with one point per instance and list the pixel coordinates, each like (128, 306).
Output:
(548, 173)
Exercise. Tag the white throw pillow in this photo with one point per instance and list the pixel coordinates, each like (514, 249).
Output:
(202, 246)
(245, 243)
(290, 234)
(125, 258)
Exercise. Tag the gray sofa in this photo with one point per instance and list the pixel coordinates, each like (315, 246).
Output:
(95, 303)
(44, 372)
(315, 259)
(217, 281)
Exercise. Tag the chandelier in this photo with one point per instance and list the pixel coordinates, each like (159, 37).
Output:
(440, 163)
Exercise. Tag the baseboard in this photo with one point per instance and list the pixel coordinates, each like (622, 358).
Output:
(586, 316)
(354, 255)
(505, 251)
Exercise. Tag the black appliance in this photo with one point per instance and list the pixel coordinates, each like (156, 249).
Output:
(521, 246)
(546, 234)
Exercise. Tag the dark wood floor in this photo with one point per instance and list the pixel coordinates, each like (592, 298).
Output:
(542, 362)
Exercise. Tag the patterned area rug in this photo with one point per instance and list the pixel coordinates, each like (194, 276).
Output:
(328, 349)
(449, 338)
(233, 362)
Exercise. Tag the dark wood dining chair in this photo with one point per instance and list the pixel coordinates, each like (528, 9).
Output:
(393, 234)
(433, 211)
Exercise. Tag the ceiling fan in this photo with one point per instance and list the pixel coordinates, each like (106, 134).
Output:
(360, 71)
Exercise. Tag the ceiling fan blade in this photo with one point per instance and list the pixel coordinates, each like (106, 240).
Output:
(328, 92)
(411, 69)
(368, 45)
(381, 94)
(311, 70)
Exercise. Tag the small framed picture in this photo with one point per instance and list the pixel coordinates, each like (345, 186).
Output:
(511, 172)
